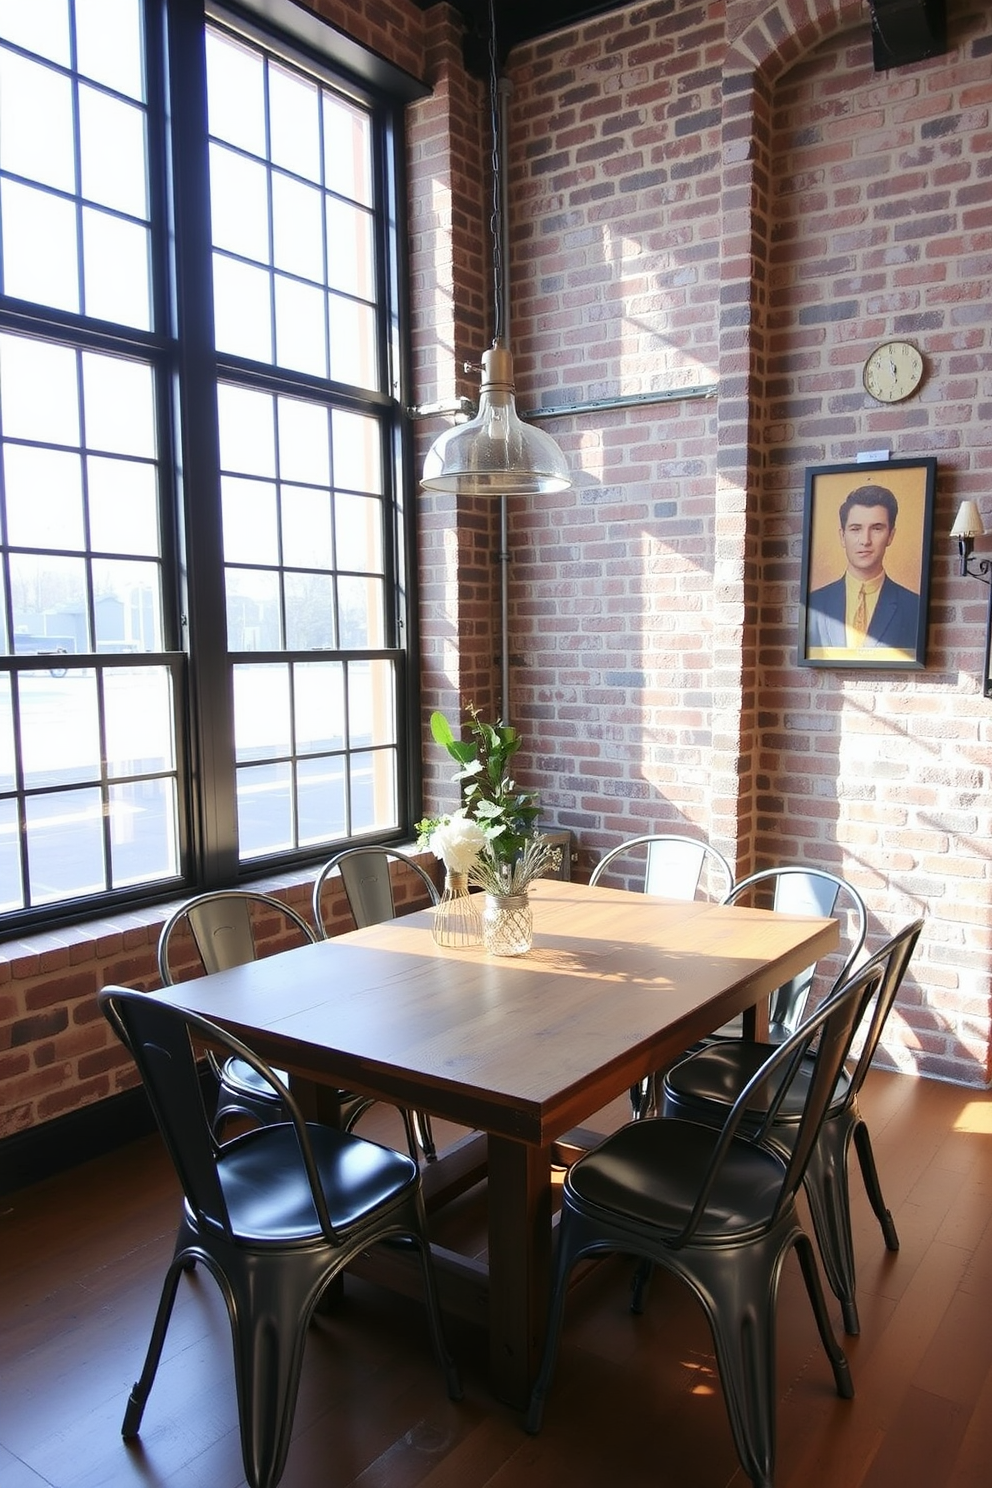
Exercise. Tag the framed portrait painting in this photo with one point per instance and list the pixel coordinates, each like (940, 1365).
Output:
(865, 587)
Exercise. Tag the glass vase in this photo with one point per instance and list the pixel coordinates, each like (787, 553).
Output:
(508, 924)
(457, 918)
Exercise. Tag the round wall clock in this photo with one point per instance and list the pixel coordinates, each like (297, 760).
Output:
(893, 371)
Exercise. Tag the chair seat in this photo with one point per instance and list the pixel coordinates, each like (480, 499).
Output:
(718, 1073)
(648, 1174)
(241, 1079)
(357, 1176)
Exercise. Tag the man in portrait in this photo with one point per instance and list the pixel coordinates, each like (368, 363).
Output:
(865, 608)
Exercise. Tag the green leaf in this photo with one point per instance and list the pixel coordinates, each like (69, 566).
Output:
(441, 729)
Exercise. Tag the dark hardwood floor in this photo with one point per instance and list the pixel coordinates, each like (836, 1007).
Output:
(636, 1400)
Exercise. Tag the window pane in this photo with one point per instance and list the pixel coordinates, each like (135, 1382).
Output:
(247, 437)
(48, 603)
(65, 845)
(350, 264)
(68, 753)
(300, 340)
(358, 529)
(319, 705)
(309, 612)
(137, 703)
(320, 804)
(294, 123)
(253, 620)
(143, 832)
(371, 690)
(36, 131)
(265, 809)
(251, 523)
(306, 528)
(119, 405)
(41, 26)
(40, 258)
(112, 152)
(44, 497)
(347, 152)
(115, 269)
(303, 451)
(242, 315)
(108, 44)
(351, 327)
(11, 892)
(261, 712)
(235, 93)
(357, 452)
(126, 608)
(298, 232)
(38, 391)
(7, 777)
(373, 791)
(123, 505)
(239, 206)
(360, 614)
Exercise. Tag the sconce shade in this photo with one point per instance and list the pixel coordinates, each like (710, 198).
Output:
(968, 522)
(496, 453)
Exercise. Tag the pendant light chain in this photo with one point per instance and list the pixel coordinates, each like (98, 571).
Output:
(496, 220)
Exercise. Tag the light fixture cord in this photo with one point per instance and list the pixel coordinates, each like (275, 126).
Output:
(496, 220)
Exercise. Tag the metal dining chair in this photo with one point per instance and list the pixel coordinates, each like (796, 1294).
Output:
(702, 1087)
(678, 867)
(717, 1207)
(274, 1215)
(225, 928)
(368, 885)
(794, 888)
(674, 865)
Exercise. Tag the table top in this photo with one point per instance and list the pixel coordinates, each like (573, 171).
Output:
(616, 985)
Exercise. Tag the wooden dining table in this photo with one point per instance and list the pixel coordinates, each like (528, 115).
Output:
(519, 1051)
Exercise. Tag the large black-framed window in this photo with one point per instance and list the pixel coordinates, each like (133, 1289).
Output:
(203, 593)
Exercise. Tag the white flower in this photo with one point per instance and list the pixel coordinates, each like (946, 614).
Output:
(457, 841)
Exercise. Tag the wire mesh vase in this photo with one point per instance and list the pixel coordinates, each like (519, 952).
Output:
(508, 924)
(457, 917)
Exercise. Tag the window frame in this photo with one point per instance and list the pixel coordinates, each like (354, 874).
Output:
(186, 370)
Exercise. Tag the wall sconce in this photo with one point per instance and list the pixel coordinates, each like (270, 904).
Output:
(968, 525)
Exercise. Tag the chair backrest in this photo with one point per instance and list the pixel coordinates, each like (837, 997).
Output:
(675, 866)
(796, 889)
(893, 959)
(223, 927)
(162, 1041)
(367, 883)
(825, 1039)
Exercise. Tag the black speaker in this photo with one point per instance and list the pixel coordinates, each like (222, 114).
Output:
(904, 31)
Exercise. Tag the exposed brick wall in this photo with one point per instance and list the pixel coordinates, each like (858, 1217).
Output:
(705, 194)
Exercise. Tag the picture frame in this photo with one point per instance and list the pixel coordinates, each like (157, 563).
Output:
(987, 681)
(865, 585)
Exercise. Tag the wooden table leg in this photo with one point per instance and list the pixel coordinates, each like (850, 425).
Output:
(519, 1264)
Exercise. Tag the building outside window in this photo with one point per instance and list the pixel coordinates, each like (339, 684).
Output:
(202, 581)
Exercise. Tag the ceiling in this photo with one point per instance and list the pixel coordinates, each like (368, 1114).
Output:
(518, 21)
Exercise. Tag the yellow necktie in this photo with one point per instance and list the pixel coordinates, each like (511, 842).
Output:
(861, 613)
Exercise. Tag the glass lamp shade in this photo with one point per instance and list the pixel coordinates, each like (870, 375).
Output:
(496, 454)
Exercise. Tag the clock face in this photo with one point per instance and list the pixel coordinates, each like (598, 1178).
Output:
(893, 371)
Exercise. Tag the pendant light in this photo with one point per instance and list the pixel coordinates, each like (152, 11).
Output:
(496, 453)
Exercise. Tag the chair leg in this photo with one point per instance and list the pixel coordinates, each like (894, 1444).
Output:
(834, 1352)
(141, 1388)
(570, 1229)
(869, 1173)
(269, 1308)
(425, 1135)
(826, 1184)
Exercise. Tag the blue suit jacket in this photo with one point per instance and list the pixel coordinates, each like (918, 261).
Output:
(895, 621)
